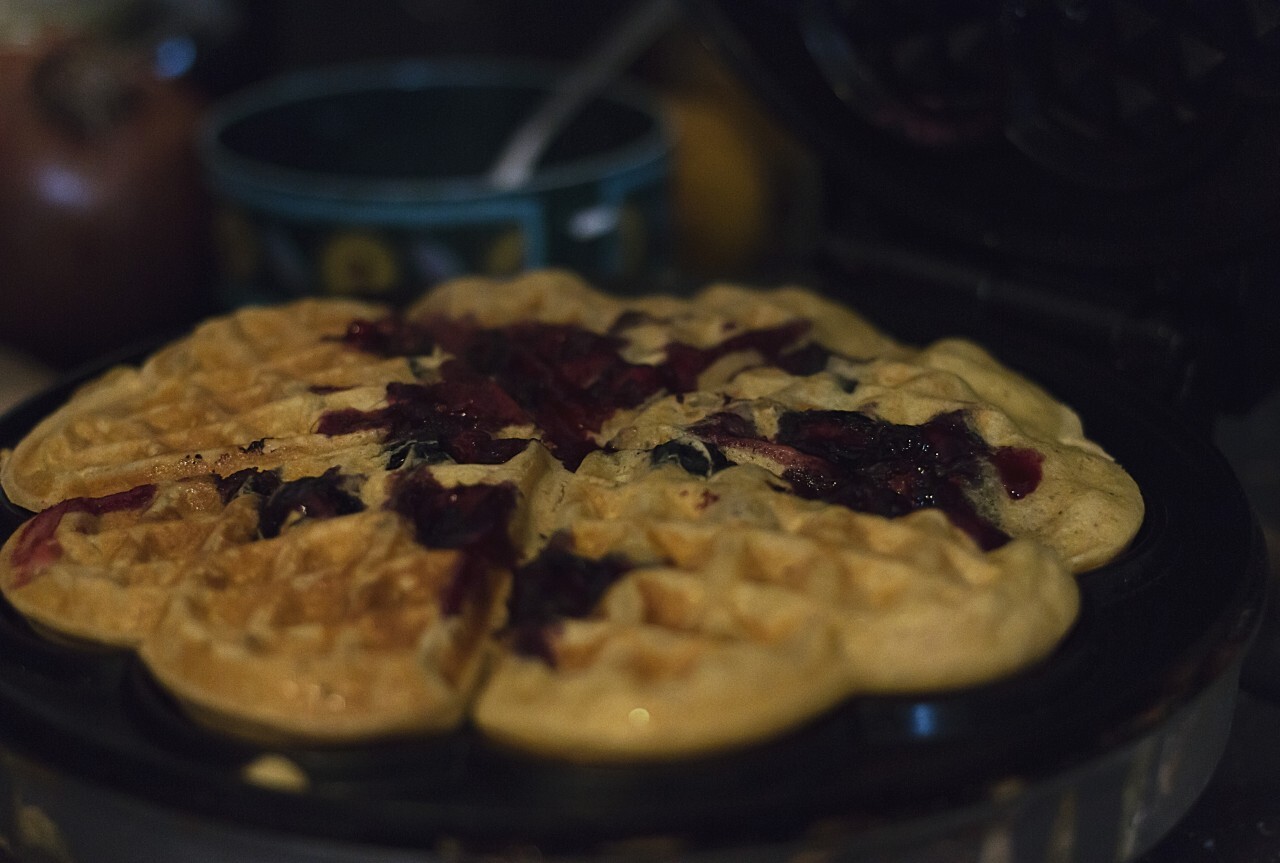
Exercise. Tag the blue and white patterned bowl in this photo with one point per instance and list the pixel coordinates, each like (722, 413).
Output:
(369, 180)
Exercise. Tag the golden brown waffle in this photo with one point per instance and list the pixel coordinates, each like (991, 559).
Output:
(732, 590)
(104, 570)
(333, 631)
(241, 391)
(1085, 506)
(597, 526)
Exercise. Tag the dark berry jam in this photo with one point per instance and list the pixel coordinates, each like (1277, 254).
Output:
(729, 429)
(453, 419)
(806, 360)
(1020, 470)
(695, 457)
(389, 337)
(471, 518)
(568, 380)
(555, 585)
(311, 497)
(37, 545)
(564, 379)
(869, 465)
(251, 480)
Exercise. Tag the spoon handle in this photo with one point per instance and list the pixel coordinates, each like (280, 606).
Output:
(620, 47)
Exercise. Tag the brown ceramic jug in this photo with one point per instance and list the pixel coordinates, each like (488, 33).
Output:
(102, 233)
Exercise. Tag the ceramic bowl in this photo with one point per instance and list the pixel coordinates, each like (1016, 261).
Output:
(371, 180)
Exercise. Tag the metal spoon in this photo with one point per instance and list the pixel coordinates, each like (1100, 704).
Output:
(620, 47)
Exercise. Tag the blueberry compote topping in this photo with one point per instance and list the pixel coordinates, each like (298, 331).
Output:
(470, 518)
(38, 546)
(564, 379)
(869, 465)
(556, 584)
(453, 419)
(311, 497)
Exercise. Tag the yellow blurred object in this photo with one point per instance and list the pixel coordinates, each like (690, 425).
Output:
(358, 263)
(745, 191)
(506, 256)
(720, 195)
(236, 244)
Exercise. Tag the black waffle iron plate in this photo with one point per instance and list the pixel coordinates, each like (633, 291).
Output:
(1091, 756)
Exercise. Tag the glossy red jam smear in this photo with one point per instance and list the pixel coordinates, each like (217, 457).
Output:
(565, 380)
(470, 518)
(1020, 470)
(869, 465)
(37, 546)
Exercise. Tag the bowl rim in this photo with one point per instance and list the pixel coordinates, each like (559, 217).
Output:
(244, 177)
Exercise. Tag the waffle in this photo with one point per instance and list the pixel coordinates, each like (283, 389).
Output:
(335, 631)
(240, 391)
(727, 588)
(595, 527)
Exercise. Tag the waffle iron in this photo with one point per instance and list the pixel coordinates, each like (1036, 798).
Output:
(1100, 748)
(1092, 755)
